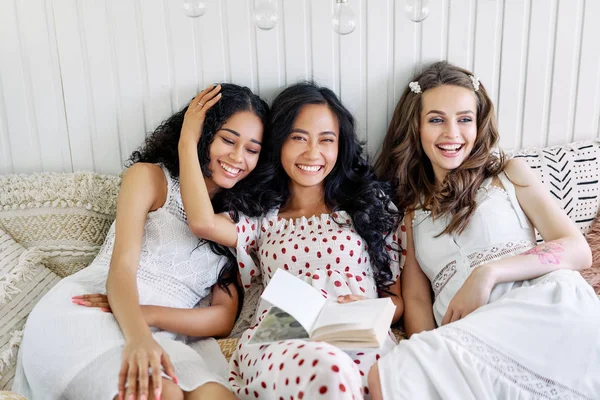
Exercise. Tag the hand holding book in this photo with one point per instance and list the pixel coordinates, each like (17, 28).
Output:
(299, 311)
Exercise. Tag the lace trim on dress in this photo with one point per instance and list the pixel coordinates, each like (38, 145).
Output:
(443, 277)
(497, 252)
(478, 258)
(510, 369)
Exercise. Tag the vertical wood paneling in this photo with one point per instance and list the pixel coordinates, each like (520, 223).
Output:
(103, 116)
(435, 33)
(564, 82)
(379, 74)
(24, 145)
(240, 33)
(296, 40)
(407, 45)
(587, 112)
(539, 72)
(130, 77)
(488, 40)
(211, 45)
(47, 111)
(512, 78)
(323, 39)
(5, 153)
(155, 48)
(77, 93)
(271, 69)
(352, 69)
(82, 81)
(461, 21)
(183, 33)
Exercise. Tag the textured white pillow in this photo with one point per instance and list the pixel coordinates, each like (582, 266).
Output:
(23, 281)
(572, 175)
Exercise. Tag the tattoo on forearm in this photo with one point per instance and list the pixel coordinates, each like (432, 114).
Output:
(548, 253)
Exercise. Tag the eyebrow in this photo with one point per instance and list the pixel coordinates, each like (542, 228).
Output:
(298, 130)
(238, 135)
(443, 113)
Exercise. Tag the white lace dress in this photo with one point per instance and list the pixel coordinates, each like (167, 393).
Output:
(74, 352)
(326, 252)
(535, 339)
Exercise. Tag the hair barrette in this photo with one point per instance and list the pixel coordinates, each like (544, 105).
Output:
(415, 87)
(475, 81)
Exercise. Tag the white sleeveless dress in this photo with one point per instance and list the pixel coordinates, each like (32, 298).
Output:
(74, 352)
(535, 339)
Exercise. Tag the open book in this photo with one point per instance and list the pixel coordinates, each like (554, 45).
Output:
(299, 311)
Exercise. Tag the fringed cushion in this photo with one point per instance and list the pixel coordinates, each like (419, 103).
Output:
(64, 216)
(23, 281)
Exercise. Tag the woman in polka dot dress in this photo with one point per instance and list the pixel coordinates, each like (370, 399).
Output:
(331, 224)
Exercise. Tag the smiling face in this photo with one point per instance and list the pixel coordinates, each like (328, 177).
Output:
(234, 150)
(310, 151)
(448, 127)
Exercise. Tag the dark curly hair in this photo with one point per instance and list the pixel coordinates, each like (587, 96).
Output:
(351, 186)
(161, 147)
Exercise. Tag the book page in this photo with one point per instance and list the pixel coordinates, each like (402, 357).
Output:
(294, 296)
(361, 314)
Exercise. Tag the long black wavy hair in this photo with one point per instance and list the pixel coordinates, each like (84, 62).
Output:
(160, 147)
(351, 186)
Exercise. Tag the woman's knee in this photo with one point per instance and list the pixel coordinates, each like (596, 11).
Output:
(170, 391)
(375, 383)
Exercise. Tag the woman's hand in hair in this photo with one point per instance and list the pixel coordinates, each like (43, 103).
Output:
(474, 293)
(196, 113)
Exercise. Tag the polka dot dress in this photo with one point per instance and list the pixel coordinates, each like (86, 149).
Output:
(326, 252)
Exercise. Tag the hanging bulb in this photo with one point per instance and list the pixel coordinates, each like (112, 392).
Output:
(194, 8)
(343, 20)
(416, 10)
(265, 14)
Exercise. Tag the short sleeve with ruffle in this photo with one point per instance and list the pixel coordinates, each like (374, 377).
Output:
(396, 247)
(249, 233)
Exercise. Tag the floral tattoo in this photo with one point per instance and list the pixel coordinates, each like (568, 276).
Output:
(547, 253)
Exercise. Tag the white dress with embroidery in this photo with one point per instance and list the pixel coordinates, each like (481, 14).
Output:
(331, 257)
(74, 352)
(535, 339)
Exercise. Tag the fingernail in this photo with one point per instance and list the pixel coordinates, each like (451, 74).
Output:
(176, 380)
(157, 394)
(105, 309)
(143, 397)
(131, 397)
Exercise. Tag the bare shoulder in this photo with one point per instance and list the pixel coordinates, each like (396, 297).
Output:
(147, 179)
(520, 173)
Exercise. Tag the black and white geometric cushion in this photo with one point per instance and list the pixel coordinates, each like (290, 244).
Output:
(572, 174)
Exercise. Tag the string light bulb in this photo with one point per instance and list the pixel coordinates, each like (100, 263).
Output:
(344, 20)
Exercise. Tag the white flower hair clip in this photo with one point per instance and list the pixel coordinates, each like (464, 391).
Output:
(415, 87)
(475, 81)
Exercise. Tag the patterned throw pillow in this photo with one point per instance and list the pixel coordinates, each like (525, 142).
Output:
(64, 216)
(571, 173)
(23, 281)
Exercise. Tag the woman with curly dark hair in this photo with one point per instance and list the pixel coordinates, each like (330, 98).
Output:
(126, 344)
(331, 224)
(490, 313)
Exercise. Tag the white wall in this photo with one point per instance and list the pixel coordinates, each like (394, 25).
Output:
(81, 81)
